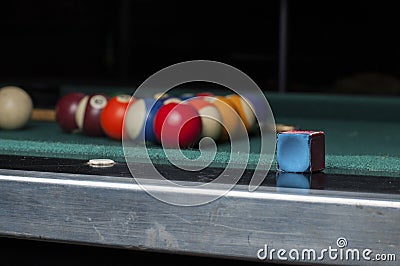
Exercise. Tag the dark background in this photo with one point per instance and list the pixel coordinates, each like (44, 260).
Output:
(333, 46)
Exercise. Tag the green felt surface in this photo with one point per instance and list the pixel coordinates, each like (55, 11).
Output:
(358, 139)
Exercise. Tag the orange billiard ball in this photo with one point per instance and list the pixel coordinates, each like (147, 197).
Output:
(112, 116)
(244, 110)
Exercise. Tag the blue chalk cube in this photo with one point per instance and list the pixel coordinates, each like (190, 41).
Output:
(301, 151)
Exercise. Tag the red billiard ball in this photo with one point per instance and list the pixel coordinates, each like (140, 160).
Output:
(66, 109)
(169, 99)
(88, 114)
(205, 94)
(177, 125)
(112, 116)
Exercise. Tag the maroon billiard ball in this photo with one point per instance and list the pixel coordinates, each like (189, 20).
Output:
(65, 111)
(88, 114)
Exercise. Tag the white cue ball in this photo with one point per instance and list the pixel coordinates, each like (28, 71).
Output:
(15, 107)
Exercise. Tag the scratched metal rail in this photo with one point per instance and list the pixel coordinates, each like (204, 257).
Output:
(113, 210)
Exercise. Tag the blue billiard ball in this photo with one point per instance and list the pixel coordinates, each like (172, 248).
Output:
(139, 119)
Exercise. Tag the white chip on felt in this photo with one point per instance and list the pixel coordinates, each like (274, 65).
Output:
(101, 162)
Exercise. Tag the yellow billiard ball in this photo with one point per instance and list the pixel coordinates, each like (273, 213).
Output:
(230, 119)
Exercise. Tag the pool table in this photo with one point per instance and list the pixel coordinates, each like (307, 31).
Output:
(49, 192)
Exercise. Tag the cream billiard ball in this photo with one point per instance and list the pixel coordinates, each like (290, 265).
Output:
(15, 107)
(210, 117)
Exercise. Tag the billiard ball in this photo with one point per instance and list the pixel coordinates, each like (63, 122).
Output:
(80, 112)
(210, 117)
(139, 120)
(205, 93)
(88, 113)
(244, 110)
(230, 119)
(258, 105)
(177, 125)
(160, 95)
(112, 116)
(15, 107)
(65, 111)
(187, 96)
(169, 99)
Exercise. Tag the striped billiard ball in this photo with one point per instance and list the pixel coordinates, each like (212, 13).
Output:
(112, 116)
(88, 114)
(139, 119)
(230, 119)
(211, 118)
(244, 109)
(66, 108)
